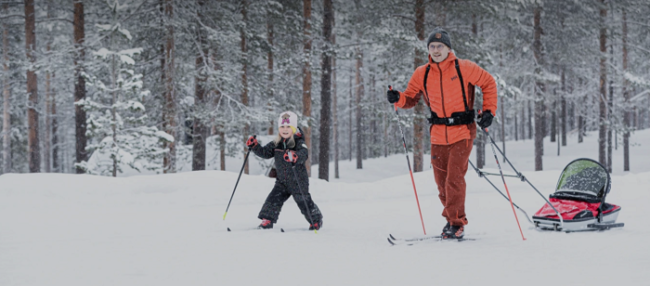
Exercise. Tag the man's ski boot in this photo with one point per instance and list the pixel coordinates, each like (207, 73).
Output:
(266, 224)
(444, 229)
(454, 232)
(317, 225)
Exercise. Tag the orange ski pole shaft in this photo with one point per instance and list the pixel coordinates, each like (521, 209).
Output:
(408, 161)
(506, 186)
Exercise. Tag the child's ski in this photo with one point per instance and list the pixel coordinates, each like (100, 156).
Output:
(410, 241)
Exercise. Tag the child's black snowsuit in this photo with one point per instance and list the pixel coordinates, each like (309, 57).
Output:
(285, 182)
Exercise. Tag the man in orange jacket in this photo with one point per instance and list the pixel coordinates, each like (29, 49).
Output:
(447, 85)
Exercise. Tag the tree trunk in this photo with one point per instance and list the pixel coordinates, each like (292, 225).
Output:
(554, 124)
(503, 126)
(199, 130)
(306, 81)
(563, 115)
(47, 160)
(359, 92)
(602, 122)
(222, 151)
(244, 77)
(6, 96)
(626, 107)
(114, 94)
(269, 66)
(418, 122)
(478, 105)
(539, 90)
(56, 167)
(610, 110)
(350, 118)
(33, 151)
(169, 111)
(80, 85)
(326, 93)
(529, 117)
(335, 120)
(516, 121)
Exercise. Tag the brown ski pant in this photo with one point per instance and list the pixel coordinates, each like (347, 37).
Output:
(449, 167)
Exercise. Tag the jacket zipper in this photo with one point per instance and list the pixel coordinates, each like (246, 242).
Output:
(442, 96)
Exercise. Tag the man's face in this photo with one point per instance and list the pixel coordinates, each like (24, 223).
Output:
(438, 51)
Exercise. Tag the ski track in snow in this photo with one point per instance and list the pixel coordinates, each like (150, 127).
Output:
(62, 229)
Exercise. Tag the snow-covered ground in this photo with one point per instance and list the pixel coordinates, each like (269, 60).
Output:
(168, 230)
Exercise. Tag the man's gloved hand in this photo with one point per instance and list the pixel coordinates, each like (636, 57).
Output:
(291, 157)
(485, 119)
(252, 141)
(392, 96)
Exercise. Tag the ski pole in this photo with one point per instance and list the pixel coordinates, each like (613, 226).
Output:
(409, 165)
(524, 179)
(483, 175)
(505, 185)
(237, 183)
(304, 198)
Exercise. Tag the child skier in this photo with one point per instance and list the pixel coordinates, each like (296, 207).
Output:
(290, 153)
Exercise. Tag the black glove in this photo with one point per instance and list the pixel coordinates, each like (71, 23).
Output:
(252, 141)
(392, 96)
(486, 119)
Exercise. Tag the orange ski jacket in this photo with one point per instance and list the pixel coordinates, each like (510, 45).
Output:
(445, 96)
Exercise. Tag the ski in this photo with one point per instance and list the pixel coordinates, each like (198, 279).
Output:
(276, 229)
(410, 241)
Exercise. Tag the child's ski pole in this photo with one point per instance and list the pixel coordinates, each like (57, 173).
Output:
(406, 152)
(237, 183)
(304, 199)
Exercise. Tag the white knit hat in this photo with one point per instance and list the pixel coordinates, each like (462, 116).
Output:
(288, 118)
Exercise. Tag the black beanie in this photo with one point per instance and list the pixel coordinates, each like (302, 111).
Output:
(439, 35)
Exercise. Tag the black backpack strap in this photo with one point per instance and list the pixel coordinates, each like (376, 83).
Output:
(426, 93)
(462, 84)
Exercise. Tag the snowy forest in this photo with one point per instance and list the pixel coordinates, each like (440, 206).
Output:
(96, 85)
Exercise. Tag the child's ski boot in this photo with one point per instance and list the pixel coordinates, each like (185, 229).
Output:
(266, 224)
(317, 225)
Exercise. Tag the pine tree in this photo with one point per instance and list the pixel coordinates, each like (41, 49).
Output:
(117, 118)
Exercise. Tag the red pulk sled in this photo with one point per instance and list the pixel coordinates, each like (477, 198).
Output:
(578, 203)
